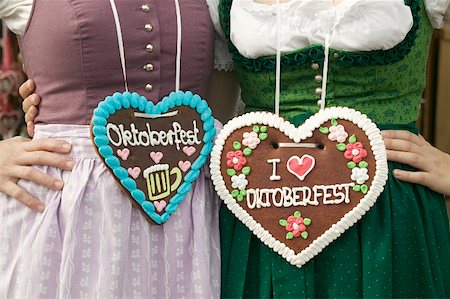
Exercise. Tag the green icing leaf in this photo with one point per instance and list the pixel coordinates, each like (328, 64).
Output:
(243, 192)
(263, 136)
(304, 235)
(307, 221)
(334, 122)
(357, 188)
(363, 164)
(246, 170)
(364, 189)
(341, 147)
(283, 222)
(324, 130)
(231, 172)
(263, 129)
(289, 236)
(256, 129)
(247, 151)
(352, 139)
(237, 145)
(235, 193)
(351, 164)
(240, 197)
(297, 214)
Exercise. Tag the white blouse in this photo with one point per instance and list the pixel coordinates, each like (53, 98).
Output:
(247, 21)
(351, 25)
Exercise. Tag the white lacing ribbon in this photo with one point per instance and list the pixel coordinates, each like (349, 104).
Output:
(122, 48)
(278, 62)
(323, 96)
(120, 42)
(328, 39)
(178, 63)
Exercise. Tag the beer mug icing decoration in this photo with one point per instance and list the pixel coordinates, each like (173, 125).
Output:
(158, 181)
(299, 188)
(154, 151)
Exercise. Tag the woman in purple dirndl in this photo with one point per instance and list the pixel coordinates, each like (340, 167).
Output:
(90, 241)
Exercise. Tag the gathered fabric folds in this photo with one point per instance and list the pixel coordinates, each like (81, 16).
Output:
(92, 242)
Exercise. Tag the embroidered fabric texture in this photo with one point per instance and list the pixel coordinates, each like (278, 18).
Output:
(222, 58)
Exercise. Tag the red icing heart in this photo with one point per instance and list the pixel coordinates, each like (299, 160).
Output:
(300, 167)
(297, 189)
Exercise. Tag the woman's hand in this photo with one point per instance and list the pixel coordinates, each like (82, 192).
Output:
(432, 164)
(16, 156)
(30, 103)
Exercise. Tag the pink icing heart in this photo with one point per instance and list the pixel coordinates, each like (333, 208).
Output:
(156, 156)
(123, 154)
(160, 205)
(300, 167)
(134, 172)
(189, 150)
(184, 165)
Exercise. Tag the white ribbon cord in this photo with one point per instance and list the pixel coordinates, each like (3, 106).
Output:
(298, 145)
(122, 48)
(154, 116)
(179, 35)
(278, 62)
(323, 96)
(120, 42)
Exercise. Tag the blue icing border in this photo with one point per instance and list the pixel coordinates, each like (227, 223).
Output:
(127, 100)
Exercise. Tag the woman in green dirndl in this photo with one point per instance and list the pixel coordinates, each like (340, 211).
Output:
(377, 65)
(377, 54)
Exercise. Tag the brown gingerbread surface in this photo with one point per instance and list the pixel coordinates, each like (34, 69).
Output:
(330, 169)
(139, 158)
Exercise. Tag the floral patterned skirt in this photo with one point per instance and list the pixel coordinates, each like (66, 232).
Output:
(91, 242)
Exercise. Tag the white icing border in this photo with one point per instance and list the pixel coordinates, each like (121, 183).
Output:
(297, 134)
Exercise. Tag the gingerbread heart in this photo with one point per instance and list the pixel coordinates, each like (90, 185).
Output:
(299, 188)
(142, 145)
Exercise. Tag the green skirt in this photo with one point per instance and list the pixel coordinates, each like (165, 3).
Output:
(400, 248)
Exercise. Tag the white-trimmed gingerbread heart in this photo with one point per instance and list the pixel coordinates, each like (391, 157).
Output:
(299, 188)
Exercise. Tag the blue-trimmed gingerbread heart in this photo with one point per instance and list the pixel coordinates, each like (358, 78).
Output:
(154, 152)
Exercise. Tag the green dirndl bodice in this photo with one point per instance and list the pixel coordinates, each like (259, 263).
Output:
(401, 248)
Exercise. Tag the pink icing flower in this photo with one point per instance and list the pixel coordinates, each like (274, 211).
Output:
(236, 160)
(355, 152)
(337, 133)
(295, 225)
(251, 140)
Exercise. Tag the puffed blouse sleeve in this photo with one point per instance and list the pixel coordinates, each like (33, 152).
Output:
(438, 12)
(15, 14)
(222, 57)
